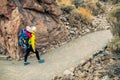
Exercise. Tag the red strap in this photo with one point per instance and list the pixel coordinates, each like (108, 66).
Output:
(29, 34)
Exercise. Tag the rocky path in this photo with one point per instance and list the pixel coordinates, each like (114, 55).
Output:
(57, 60)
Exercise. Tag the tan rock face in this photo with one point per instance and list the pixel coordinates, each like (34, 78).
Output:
(6, 8)
(32, 4)
(42, 14)
(48, 1)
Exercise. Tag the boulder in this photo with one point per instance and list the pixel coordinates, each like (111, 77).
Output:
(48, 1)
(68, 72)
(28, 4)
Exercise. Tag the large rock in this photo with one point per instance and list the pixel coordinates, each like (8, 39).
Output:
(48, 1)
(16, 15)
(6, 8)
(28, 4)
(9, 30)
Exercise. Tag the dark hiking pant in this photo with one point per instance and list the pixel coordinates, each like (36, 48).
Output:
(28, 50)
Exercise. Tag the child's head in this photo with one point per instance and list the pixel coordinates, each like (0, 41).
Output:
(28, 28)
(33, 28)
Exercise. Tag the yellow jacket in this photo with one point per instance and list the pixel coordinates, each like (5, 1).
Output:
(32, 40)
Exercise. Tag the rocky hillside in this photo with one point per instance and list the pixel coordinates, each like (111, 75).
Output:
(82, 16)
(100, 66)
(17, 14)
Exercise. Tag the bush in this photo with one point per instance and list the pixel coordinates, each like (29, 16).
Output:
(85, 14)
(75, 18)
(95, 6)
(66, 5)
(80, 16)
(115, 45)
(115, 19)
(116, 29)
(115, 12)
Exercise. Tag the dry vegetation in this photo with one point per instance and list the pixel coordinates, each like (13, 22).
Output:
(114, 45)
(85, 11)
(91, 1)
(115, 19)
(80, 16)
(81, 12)
(64, 3)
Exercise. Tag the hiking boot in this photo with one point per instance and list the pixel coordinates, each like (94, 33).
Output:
(26, 63)
(41, 61)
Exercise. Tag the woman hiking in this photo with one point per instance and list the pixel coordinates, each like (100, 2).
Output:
(31, 45)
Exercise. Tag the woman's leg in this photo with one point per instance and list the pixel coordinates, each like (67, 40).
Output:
(27, 54)
(37, 55)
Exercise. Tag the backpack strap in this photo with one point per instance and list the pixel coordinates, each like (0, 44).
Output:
(29, 34)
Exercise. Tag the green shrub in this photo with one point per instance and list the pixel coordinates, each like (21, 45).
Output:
(115, 19)
(115, 12)
(115, 45)
(116, 29)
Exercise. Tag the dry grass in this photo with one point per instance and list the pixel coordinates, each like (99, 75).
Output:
(64, 3)
(85, 13)
(93, 2)
(80, 16)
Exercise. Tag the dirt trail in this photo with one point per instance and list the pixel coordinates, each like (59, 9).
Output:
(57, 60)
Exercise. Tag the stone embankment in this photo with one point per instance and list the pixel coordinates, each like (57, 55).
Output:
(100, 66)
